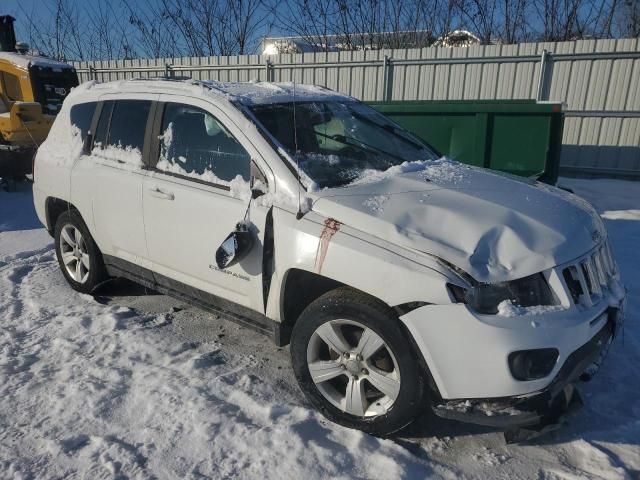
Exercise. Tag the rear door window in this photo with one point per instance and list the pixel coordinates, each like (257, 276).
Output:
(128, 124)
(121, 130)
(81, 116)
(195, 144)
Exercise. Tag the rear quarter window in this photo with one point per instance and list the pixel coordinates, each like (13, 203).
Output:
(81, 116)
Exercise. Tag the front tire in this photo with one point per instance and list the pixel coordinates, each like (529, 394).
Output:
(79, 258)
(353, 362)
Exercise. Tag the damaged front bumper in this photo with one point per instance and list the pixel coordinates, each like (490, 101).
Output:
(528, 416)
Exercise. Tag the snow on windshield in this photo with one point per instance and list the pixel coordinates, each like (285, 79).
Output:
(334, 142)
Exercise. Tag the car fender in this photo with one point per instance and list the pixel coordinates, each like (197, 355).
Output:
(333, 250)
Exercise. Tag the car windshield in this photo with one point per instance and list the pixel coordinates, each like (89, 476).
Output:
(336, 142)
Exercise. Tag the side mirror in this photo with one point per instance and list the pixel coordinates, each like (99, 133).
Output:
(86, 145)
(235, 247)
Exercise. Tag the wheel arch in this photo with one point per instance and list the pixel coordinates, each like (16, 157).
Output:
(301, 287)
(54, 207)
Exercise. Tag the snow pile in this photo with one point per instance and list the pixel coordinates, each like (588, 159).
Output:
(172, 166)
(507, 308)
(89, 390)
(129, 156)
(95, 391)
(376, 203)
(63, 145)
(167, 139)
(442, 170)
(240, 188)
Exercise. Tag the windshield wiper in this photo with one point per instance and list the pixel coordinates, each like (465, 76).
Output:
(390, 128)
(353, 142)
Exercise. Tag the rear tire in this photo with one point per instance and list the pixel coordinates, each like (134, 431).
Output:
(375, 383)
(78, 255)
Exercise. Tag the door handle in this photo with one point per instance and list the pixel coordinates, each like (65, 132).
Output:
(156, 192)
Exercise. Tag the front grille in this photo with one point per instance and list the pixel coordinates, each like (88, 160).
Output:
(590, 278)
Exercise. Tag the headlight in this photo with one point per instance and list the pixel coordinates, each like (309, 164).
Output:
(524, 292)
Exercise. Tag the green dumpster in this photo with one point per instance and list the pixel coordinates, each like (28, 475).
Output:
(522, 137)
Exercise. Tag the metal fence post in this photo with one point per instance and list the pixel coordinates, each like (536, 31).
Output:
(542, 80)
(92, 73)
(268, 70)
(385, 78)
(168, 72)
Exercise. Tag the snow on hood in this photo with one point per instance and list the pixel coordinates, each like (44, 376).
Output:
(496, 227)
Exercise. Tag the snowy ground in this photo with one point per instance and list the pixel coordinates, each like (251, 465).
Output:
(131, 384)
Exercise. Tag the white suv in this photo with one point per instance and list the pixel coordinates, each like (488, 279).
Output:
(400, 279)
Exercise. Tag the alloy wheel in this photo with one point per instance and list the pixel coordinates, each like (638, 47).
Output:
(74, 253)
(353, 368)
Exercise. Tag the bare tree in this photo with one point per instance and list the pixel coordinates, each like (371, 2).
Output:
(110, 38)
(513, 15)
(559, 19)
(313, 20)
(58, 32)
(218, 27)
(598, 17)
(111, 29)
(629, 18)
(481, 16)
(362, 24)
(154, 27)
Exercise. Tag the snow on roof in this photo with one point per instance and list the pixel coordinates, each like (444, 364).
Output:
(24, 61)
(246, 93)
(255, 93)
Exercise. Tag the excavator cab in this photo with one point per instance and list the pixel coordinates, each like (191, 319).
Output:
(32, 89)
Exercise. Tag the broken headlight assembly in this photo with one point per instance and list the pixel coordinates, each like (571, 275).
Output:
(525, 292)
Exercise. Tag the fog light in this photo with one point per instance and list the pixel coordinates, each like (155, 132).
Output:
(532, 364)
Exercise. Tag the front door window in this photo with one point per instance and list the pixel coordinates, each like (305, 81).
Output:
(195, 144)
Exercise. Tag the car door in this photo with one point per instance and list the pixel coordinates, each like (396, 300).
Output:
(107, 184)
(195, 193)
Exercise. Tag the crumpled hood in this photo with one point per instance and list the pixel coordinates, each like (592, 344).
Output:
(495, 227)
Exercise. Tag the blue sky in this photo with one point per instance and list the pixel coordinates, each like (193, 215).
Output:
(13, 7)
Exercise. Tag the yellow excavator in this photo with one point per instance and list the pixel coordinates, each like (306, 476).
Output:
(32, 89)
